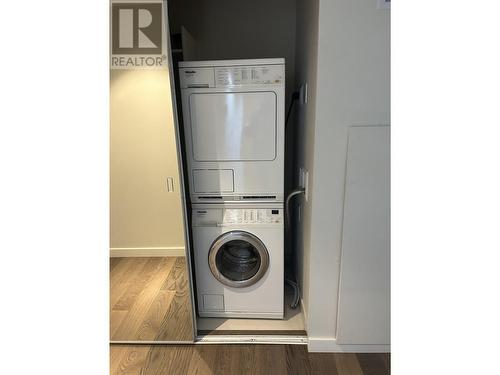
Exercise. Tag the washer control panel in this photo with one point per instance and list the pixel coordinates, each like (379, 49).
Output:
(253, 216)
(235, 216)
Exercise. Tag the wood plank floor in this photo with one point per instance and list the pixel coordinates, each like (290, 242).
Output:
(241, 360)
(149, 299)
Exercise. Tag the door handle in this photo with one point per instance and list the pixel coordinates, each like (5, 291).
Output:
(170, 184)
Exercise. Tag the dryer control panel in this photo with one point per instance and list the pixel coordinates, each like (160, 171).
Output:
(236, 216)
(249, 75)
(232, 76)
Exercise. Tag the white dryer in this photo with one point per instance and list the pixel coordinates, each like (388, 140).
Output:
(233, 115)
(238, 259)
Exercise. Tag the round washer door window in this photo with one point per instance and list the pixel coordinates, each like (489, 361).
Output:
(238, 259)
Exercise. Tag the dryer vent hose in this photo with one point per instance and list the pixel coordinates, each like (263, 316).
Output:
(293, 284)
(296, 294)
(287, 210)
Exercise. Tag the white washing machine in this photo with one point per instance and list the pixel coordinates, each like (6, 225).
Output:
(238, 259)
(234, 116)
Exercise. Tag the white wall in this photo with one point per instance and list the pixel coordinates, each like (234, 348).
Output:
(353, 88)
(145, 219)
(306, 63)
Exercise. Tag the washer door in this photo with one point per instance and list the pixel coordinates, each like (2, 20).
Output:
(238, 259)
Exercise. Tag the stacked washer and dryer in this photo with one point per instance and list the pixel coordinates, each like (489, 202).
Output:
(233, 113)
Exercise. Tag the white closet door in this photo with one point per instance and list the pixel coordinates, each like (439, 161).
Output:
(364, 299)
(237, 126)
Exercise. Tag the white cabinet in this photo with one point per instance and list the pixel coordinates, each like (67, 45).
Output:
(364, 296)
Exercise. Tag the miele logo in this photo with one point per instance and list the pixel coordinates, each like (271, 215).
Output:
(190, 71)
(136, 34)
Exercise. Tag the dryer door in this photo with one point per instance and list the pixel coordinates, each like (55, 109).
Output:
(233, 126)
(238, 259)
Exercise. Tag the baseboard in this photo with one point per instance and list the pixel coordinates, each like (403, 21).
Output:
(115, 252)
(329, 345)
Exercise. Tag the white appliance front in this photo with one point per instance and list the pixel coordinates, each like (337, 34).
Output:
(233, 114)
(233, 126)
(238, 253)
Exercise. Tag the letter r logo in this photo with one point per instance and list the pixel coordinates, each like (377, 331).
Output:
(136, 28)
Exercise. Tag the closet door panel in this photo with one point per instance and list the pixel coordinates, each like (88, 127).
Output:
(150, 282)
(364, 298)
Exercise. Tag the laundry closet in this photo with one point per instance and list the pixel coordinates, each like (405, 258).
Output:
(250, 175)
(233, 78)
